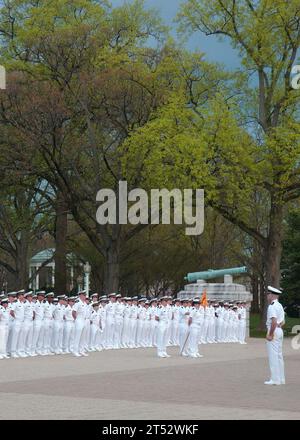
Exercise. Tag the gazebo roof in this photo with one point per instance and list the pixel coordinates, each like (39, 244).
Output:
(45, 255)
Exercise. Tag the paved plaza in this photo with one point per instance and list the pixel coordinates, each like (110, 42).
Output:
(227, 383)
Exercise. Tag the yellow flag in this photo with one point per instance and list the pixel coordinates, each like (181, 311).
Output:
(204, 299)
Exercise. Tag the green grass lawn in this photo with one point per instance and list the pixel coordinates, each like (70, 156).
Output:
(254, 322)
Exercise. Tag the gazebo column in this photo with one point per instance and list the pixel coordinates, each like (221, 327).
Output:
(52, 274)
(37, 277)
(30, 275)
(72, 277)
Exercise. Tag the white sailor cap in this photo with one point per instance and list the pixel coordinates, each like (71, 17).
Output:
(49, 294)
(61, 296)
(41, 292)
(20, 292)
(112, 294)
(82, 292)
(273, 290)
(4, 300)
(95, 303)
(11, 293)
(94, 294)
(30, 293)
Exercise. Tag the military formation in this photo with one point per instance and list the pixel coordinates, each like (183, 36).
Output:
(41, 324)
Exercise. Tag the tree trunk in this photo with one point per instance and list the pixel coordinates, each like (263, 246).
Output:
(273, 255)
(112, 267)
(22, 269)
(255, 291)
(60, 257)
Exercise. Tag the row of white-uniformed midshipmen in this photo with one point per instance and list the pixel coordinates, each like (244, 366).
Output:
(40, 324)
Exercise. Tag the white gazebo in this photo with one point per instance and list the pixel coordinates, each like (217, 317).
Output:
(40, 259)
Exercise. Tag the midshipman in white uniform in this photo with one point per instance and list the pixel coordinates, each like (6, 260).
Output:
(195, 323)
(275, 321)
(79, 311)
(119, 321)
(69, 326)
(17, 339)
(110, 320)
(4, 323)
(38, 325)
(28, 322)
(162, 317)
(49, 308)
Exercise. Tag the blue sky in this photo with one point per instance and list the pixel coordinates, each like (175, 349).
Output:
(214, 49)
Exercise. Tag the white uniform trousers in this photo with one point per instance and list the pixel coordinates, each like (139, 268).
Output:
(101, 338)
(235, 331)
(10, 325)
(162, 334)
(118, 332)
(153, 332)
(58, 328)
(110, 328)
(125, 340)
(242, 331)
(87, 330)
(94, 336)
(219, 329)
(147, 333)
(37, 326)
(133, 328)
(183, 332)
(16, 339)
(38, 336)
(28, 335)
(225, 331)
(79, 336)
(175, 332)
(276, 362)
(140, 332)
(194, 339)
(211, 330)
(169, 330)
(48, 335)
(204, 331)
(3, 339)
(69, 331)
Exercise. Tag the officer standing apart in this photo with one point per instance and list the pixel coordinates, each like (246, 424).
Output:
(275, 321)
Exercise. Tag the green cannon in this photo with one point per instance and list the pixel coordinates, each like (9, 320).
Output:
(210, 274)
